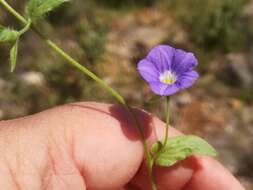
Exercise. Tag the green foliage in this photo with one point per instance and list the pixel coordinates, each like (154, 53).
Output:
(38, 8)
(212, 24)
(8, 35)
(179, 148)
(13, 55)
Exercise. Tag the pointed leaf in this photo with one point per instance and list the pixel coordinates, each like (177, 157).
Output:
(8, 35)
(179, 148)
(38, 8)
(13, 55)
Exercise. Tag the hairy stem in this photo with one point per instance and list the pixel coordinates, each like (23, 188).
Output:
(149, 159)
(167, 120)
(87, 72)
(64, 55)
(13, 12)
(26, 28)
(84, 70)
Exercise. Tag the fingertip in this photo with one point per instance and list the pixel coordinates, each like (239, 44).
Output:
(172, 178)
(175, 177)
(211, 175)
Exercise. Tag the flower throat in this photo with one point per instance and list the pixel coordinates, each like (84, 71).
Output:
(168, 77)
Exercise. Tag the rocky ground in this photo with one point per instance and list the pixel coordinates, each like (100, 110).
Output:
(219, 107)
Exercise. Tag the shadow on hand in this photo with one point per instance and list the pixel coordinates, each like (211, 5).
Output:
(126, 120)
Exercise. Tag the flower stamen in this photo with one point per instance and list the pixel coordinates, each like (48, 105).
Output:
(168, 77)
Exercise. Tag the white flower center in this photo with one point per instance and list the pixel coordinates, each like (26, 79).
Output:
(168, 77)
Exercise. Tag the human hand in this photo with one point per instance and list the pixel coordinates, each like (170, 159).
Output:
(94, 146)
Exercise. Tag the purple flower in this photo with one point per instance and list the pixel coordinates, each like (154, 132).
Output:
(168, 70)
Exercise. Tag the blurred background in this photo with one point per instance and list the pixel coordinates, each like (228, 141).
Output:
(110, 36)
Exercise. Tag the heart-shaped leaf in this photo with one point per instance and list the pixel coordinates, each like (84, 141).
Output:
(179, 148)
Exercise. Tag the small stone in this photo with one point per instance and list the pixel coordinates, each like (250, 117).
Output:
(238, 69)
(33, 78)
(248, 10)
(183, 99)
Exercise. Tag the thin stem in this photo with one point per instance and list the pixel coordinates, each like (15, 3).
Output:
(153, 185)
(13, 12)
(64, 55)
(149, 159)
(151, 176)
(117, 96)
(26, 28)
(84, 70)
(167, 120)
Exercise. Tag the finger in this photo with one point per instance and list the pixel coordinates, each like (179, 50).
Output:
(194, 173)
(117, 133)
(76, 146)
(35, 154)
(106, 143)
(173, 178)
(107, 148)
(211, 175)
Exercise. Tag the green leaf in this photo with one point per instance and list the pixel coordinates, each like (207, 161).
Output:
(36, 9)
(156, 148)
(13, 55)
(179, 148)
(8, 35)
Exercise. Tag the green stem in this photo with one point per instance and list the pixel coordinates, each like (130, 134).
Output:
(13, 12)
(84, 70)
(150, 172)
(149, 159)
(26, 28)
(167, 126)
(167, 121)
(64, 55)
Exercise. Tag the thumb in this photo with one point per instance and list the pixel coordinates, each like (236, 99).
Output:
(73, 147)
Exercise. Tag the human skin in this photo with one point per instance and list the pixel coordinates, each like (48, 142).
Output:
(95, 146)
